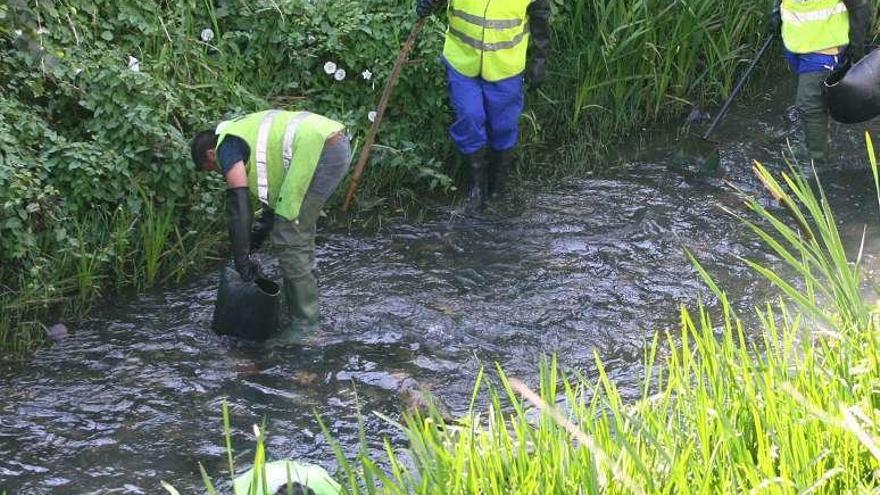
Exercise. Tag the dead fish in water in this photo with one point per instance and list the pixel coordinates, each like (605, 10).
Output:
(697, 116)
(57, 332)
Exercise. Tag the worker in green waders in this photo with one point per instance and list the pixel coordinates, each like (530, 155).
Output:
(290, 162)
(486, 64)
(819, 36)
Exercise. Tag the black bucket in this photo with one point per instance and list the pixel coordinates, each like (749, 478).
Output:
(247, 310)
(854, 91)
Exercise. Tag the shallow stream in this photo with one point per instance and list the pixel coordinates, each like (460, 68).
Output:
(591, 265)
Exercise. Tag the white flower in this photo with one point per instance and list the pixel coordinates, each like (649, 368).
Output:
(330, 68)
(18, 32)
(367, 75)
(77, 71)
(339, 75)
(311, 39)
(134, 64)
(372, 116)
(207, 35)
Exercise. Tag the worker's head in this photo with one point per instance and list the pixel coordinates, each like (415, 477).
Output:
(306, 479)
(204, 154)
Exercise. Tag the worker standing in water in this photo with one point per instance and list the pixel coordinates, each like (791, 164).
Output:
(486, 62)
(291, 162)
(819, 36)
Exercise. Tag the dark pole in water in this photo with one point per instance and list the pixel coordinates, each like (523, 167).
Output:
(739, 86)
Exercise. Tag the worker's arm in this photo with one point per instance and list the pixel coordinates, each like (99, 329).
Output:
(860, 20)
(237, 176)
(539, 24)
(240, 217)
(424, 8)
(774, 20)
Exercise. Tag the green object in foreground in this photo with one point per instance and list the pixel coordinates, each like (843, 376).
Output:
(279, 472)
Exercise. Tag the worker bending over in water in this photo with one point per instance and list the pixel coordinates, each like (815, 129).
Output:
(291, 162)
(819, 36)
(485, 57)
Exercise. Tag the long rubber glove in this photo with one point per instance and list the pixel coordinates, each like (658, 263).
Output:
(539, 23)
(238, 212)
(860, 20)
(424, 8)
(774, 20)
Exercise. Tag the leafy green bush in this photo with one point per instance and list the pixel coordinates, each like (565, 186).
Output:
(98, 100)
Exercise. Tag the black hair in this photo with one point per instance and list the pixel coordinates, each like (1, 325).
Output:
(298, 489)
(200, 145)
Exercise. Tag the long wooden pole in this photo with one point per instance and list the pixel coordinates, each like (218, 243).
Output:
(380, 112)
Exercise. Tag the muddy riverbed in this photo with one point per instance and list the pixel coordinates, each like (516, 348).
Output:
(594, 264)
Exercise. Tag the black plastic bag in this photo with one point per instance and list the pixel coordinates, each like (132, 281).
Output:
(853, 91)
(247, 310)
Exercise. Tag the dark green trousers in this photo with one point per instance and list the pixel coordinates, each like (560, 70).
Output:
(293, 243)
(813, 112)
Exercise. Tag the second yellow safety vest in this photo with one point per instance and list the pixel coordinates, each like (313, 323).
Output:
(810, 26)
(285, 150)
(487, 38)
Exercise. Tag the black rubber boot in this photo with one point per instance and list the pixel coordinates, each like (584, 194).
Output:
(478, 185)
(499, 170)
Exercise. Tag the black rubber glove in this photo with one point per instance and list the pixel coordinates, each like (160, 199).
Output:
(238, 212)
(860, 19)
(535, 72)
(424, 8)
(262, 228)
(539, 22)
(774, 20)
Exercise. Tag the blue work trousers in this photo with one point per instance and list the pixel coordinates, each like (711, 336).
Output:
(487, 113)
(805, 63)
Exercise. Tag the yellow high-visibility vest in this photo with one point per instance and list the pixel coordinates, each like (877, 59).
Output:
(285, 150)
(814, 25)
(487, 38)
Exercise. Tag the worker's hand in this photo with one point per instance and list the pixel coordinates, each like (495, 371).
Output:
(262, 228)
(774, 21)
(535, 72)
(247, 268)
(424, 8)
(854, 53)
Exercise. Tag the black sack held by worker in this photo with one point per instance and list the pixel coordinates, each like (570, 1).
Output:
(247, 310)
(853, 92)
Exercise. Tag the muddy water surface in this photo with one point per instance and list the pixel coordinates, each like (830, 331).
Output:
(592, 265)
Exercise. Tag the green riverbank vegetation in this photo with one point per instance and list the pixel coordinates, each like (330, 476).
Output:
(98, 99)
(795, 411)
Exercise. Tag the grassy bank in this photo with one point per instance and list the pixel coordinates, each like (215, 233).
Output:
(99, 98)
(795, 412)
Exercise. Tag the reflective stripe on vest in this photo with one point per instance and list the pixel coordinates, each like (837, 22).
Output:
(487, 38)
(285, 148)
(490, 47)
(810, 26)
(262, 156)
(290, 136)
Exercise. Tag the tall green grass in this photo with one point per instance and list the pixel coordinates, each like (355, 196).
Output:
(619, 65)
(796, 410)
